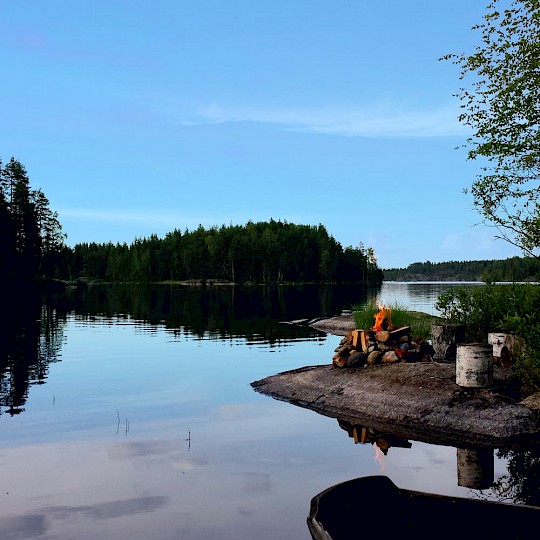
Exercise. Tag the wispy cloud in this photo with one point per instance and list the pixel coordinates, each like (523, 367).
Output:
(152, 217)
(168, 220)
(373, 121)
(166, 217)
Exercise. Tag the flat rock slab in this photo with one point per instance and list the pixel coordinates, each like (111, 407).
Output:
(415, 401)
(340, 325)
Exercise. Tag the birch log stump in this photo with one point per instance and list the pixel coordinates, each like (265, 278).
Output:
(503, 347)
(474, 365)
(445, 338)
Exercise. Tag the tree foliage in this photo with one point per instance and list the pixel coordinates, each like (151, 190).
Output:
(31, 238)
(264, 252)
(501, 104)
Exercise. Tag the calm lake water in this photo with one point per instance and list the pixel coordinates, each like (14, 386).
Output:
(127, 413)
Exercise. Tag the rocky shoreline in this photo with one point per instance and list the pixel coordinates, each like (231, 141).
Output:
(339, 326)
(420, 401)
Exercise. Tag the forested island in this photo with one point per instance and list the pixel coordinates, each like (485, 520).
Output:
(264, 252)
(513, 269)
(32, 246)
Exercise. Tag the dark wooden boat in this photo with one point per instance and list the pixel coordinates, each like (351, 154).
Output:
(374, 507)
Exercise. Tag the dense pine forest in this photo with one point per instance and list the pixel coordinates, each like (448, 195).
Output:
(514, 269)
(265, 252)
(32, 246)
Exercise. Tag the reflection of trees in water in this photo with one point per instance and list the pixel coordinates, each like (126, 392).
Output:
(32, 335)
(222, 311)
(32, 326)
(522, 483)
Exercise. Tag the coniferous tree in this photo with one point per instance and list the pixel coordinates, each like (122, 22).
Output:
(31, 239)
(24, 220)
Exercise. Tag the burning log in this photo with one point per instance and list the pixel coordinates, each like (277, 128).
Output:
(403, 331)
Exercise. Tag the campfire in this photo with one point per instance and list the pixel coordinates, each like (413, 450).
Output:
(383, 319)
(383, 343)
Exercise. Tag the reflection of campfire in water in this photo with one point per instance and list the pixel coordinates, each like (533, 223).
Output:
(379, 456)
(475, 466)
(381, 442)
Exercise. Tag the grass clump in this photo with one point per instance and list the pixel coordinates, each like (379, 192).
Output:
(364, 315)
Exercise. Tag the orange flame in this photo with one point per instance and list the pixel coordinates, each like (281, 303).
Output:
(380, 318)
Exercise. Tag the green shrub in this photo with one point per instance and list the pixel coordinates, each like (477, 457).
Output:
(510, 308)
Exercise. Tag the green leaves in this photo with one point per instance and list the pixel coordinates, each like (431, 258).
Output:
(502, 105)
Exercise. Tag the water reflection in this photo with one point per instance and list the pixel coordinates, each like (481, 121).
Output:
(32, 328)
(522, 482)
(32, 336)
(369, 435)
(421, 296)
(221, 312)
(332, 515)
(173, 365)
(474, 465)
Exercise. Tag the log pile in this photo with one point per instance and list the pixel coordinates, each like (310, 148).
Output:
(362, 348)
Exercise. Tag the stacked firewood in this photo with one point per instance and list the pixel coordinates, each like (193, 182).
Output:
(361, 348)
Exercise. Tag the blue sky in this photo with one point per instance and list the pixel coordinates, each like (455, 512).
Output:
(138, 117)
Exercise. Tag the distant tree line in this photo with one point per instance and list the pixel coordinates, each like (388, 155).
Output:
(31, 238)
(32, 245)
(513, 269)
(264, 252)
